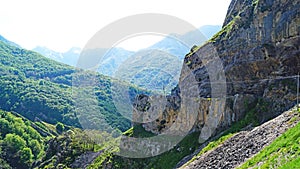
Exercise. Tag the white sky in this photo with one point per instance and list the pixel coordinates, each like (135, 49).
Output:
(62, 24)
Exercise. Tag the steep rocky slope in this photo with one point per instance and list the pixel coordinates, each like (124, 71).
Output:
(245, 144)
(251, 64)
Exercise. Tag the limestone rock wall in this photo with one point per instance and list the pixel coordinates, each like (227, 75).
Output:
(259, 52)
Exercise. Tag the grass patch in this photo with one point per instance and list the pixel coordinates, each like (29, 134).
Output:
(211, 146)
(249, 119)
(108, 146)
(138, 132)
(226, 30)
(50, 127)
(167, 160)
(193, 50)
(105, 157)
(292, 164)
(292, 120)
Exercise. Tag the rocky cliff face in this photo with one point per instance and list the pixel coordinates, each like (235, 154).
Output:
(251, 64)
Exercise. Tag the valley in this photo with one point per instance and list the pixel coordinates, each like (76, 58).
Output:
(228, 101)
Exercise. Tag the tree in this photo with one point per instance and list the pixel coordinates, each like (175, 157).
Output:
(60, 127)
(13, 146)
(36, 148)
(14, 142)
(4, 127)
(26, 155)
(4, 164)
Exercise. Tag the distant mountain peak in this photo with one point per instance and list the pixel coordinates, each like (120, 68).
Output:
(69, 57)
(76, 50)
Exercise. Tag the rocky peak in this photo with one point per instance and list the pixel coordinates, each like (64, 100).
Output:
(235, 7)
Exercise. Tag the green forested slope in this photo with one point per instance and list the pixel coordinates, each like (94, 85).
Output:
(25, 144)
(20, 143)
(37, 87)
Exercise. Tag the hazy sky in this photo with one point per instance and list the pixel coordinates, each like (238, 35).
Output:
(62, 24)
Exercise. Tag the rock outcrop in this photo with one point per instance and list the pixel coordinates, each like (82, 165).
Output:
(252, 63)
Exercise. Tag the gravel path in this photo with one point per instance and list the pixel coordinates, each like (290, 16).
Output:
(245, 144)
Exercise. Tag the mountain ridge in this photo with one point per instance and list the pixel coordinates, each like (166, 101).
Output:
(69, 57)
(38, 87)
(3, 39)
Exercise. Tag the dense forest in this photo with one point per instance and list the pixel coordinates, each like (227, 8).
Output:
(20, 144)
(25, 144)
(41, 89)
